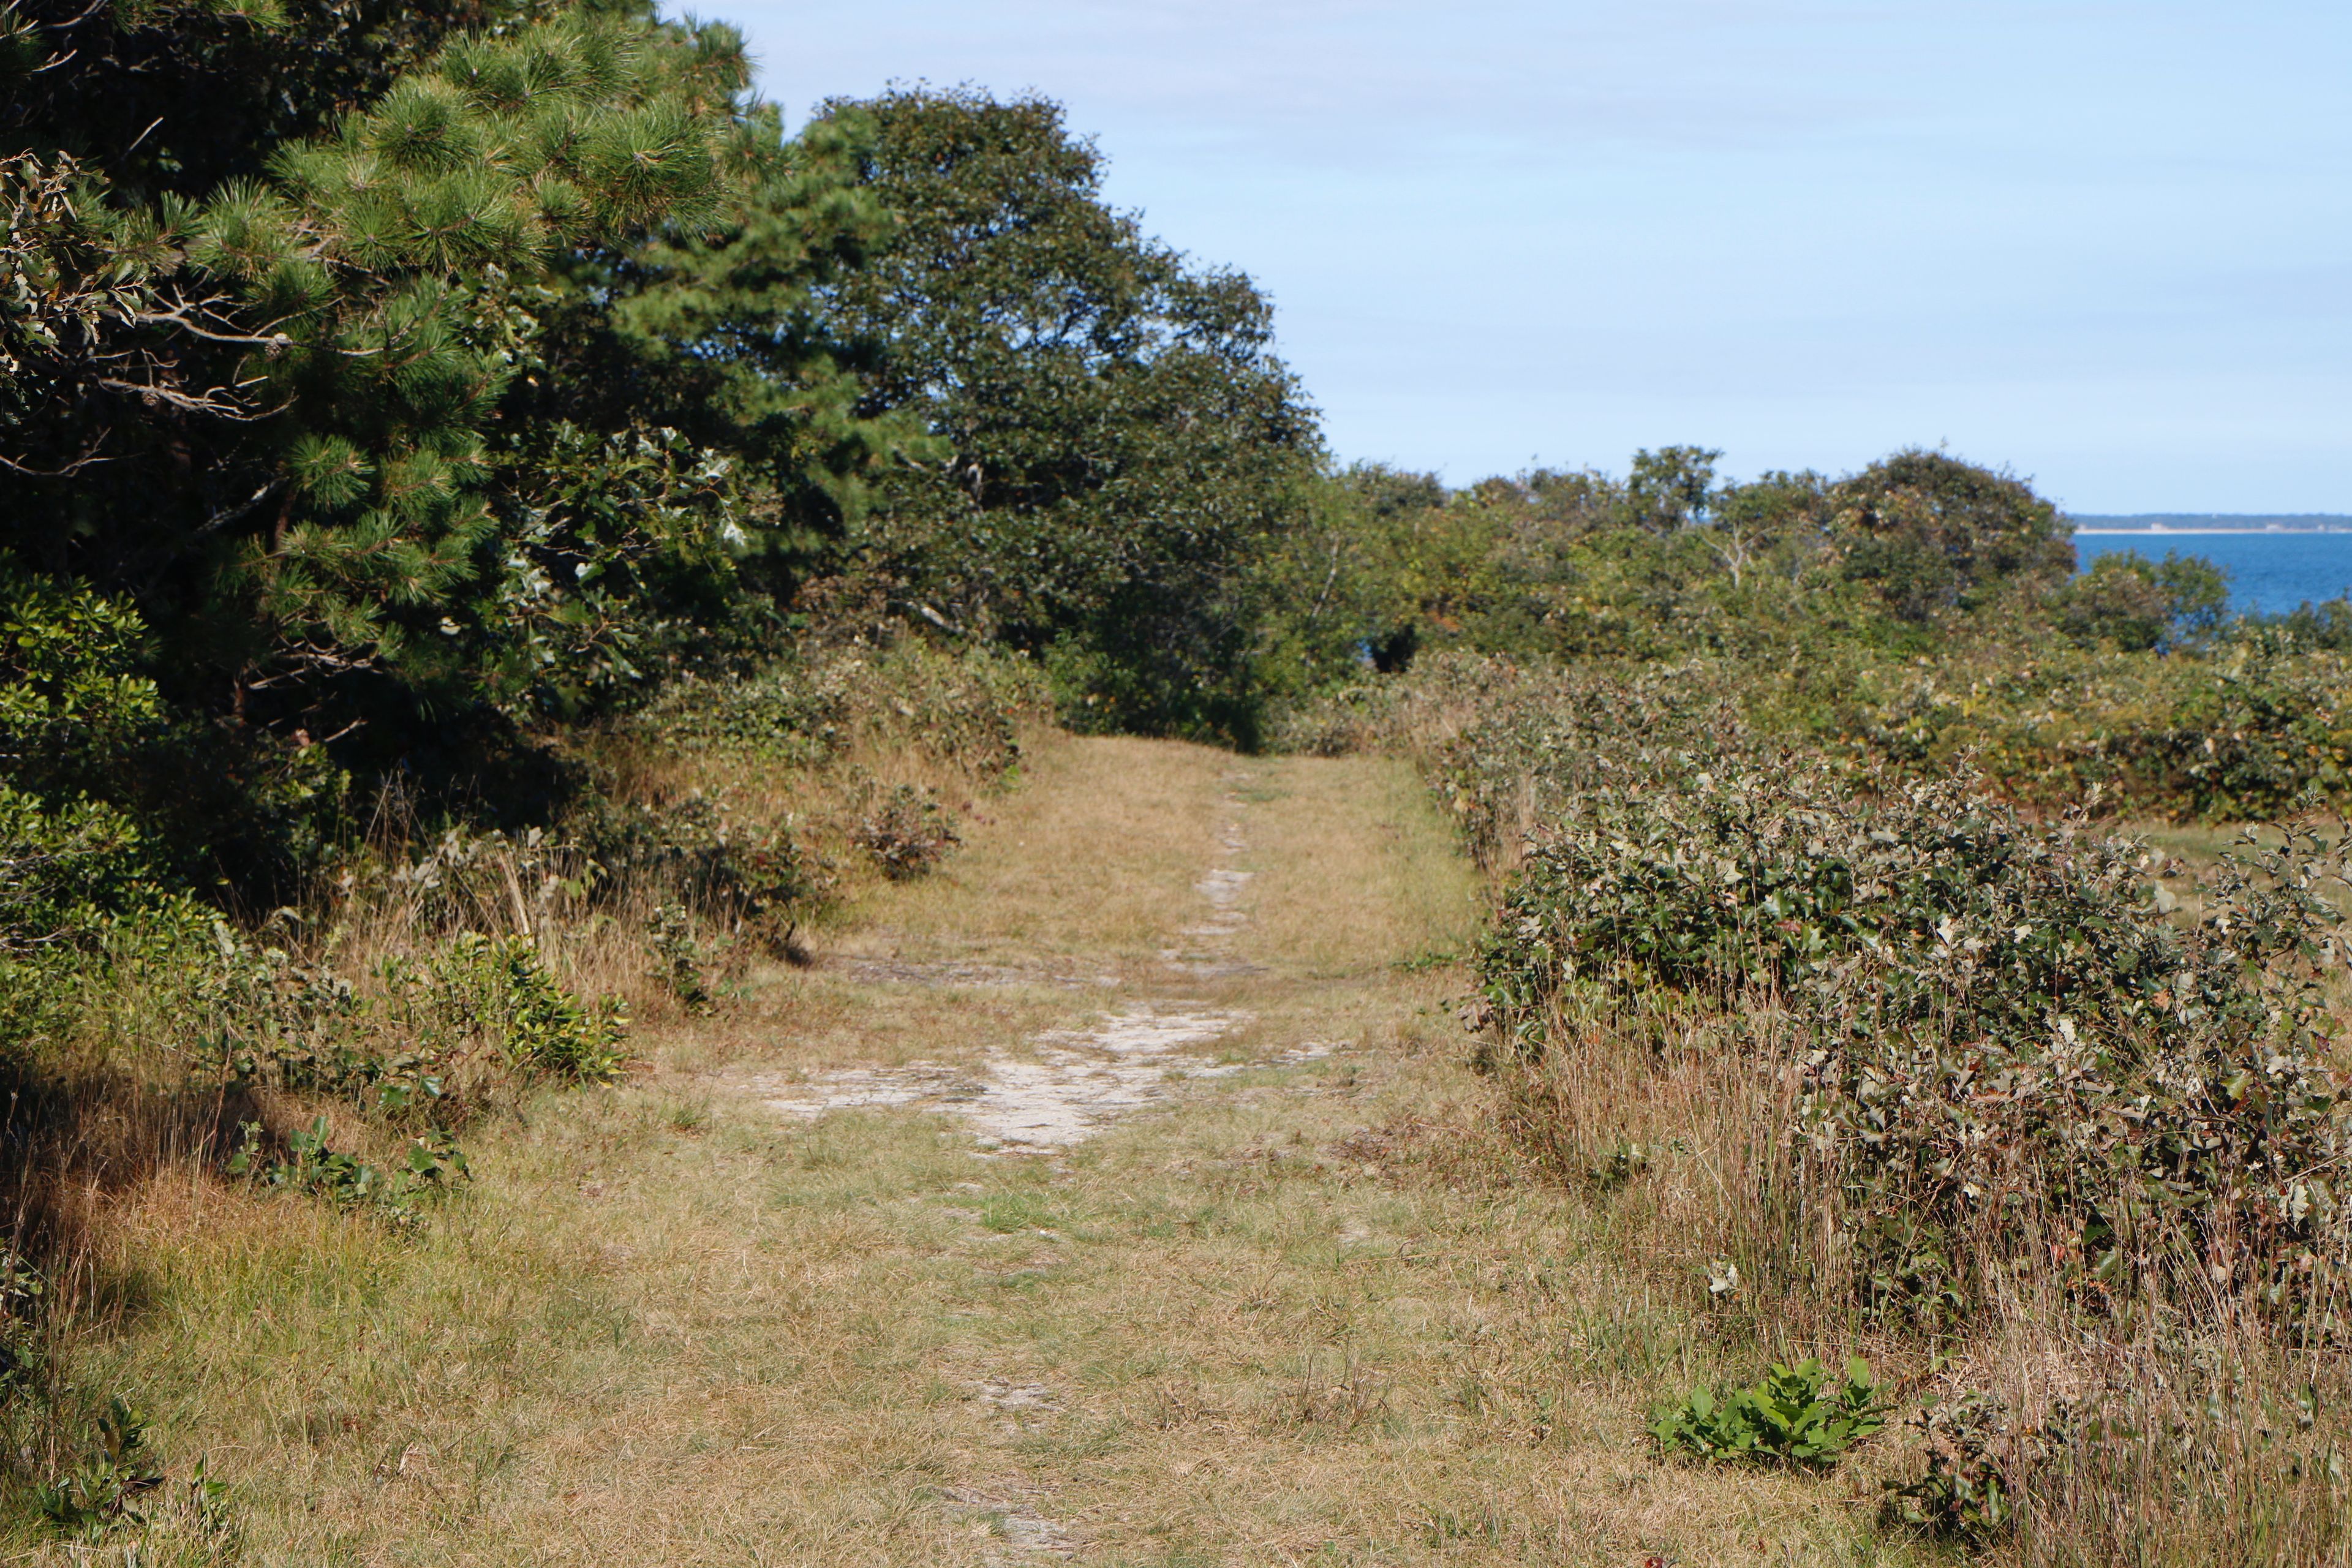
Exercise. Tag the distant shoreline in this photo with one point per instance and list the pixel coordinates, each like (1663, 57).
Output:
(2180, 522)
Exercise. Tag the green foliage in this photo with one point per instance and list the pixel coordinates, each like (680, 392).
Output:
(725, 329)
(73, 701)
(102, 1492)
(1929, 533)
(1975, 994)
(23, 1293)
(789, 714)
(2244, 730)
(754, 871)
(1115, 440)
(621, 553)
(2137, 604)
(2323, 626)
(501, 986)
(430, 1164)
(1965, 1492)
(1909, 553)
(1801, 1414)
(964, 705)
(66, 872)
(261, 400)
(1672, 488)
(425, 1038)
(2005, 1054)
(672, 935)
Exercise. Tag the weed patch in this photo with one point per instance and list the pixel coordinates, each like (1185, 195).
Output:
(1800, 1414)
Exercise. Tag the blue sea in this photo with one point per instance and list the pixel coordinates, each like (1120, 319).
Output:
(2270, 573)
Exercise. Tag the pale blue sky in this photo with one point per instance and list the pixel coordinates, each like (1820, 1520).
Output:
(2107, 244)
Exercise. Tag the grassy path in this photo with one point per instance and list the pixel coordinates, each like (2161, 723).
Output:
(1279, 1299)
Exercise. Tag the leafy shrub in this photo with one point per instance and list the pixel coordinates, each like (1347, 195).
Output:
(794, 714)
(967, 707)
(2326, 624)
(2137, 604)
(23, 1290)
(71, 700)
(66, 870)
(501, 987)
(1966, 1491)
(1800, 1415)
(907, 833)
(2002, 1034)
(2003, 1051)
(1930, 533)
(695, 848)
(425, 1036)
(2241, 732)
(101, 1492)
(430, 1164)
(671, 932)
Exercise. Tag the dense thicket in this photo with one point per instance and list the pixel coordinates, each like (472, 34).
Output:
(400, 382)
(1918, 612)
(1112, 443)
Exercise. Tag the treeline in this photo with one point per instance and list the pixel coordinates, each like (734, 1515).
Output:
(1924, 612)
(387, 391)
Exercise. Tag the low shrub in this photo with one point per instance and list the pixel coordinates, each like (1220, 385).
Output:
(968, 706)
(680, 969)
(793, 714)
(422, 1038)
(499, 989)
(1843, 1043)
(696, 849)
(1966, 1490)
(429, 1166)
(906, 832)
(102, 1490)
(1800, 1414)
(2008, 1052)
(2244, 730)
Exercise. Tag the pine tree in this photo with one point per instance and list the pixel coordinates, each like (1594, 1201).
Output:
(262, 410)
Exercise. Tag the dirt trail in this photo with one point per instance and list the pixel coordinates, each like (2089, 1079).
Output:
(1067, 1085)
(1120, 1194)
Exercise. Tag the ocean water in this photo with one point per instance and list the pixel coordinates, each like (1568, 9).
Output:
(2270, 573)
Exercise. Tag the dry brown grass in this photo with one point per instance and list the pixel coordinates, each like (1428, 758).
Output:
(2156, 1432)
(1314, 1311)
(1090, 858)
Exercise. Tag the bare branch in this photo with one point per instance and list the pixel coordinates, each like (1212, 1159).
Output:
(222, 517)
(89, 457)
(199, 402)
(179, 318)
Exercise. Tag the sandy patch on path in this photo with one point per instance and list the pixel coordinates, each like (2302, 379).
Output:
(1211, 957)
(1078, 1083)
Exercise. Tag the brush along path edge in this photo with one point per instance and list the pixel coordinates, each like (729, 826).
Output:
(1290, 1301)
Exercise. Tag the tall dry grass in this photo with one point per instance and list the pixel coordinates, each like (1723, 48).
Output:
(2145, 1431)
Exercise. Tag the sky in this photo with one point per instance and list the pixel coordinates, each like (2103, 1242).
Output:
(2106, 245)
